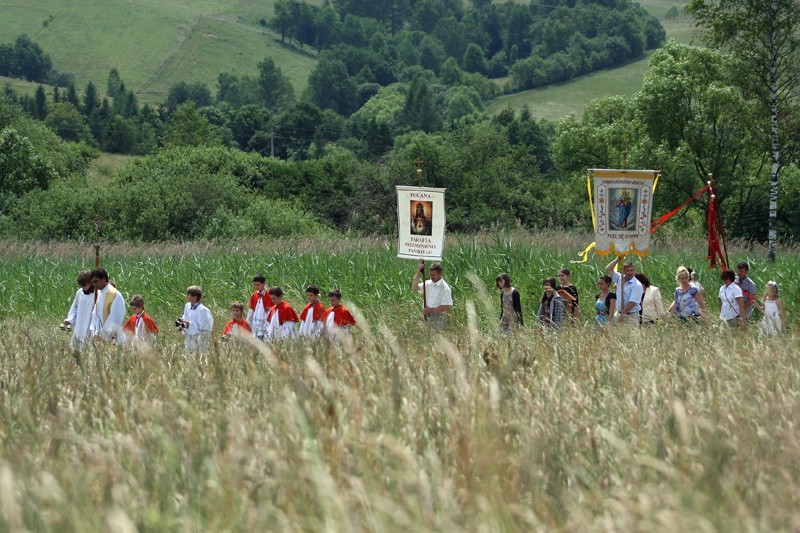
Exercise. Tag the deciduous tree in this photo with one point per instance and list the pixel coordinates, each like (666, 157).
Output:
(764, 36)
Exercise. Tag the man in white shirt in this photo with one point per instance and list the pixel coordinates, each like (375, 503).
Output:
(196, 322)
(438, 296)
(629, 293)
(109, 309)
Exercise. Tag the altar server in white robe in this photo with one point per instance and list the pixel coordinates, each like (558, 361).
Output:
(282, 319)
(338, 319)
(109, 309)
(196, 322)
(311, 319)
(258, 307)
(80, 314)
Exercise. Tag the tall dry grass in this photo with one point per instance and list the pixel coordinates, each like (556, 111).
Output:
(667, 428)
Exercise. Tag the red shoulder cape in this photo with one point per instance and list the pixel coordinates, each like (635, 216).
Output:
(254, 301)
(149, 325)
(319, 311)
(241, 322)
(285, 313)
(341, 316)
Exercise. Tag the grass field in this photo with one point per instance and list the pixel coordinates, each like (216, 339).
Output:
(669, 428)
(555, 102)
(22, 86)
(38, 278)
(105, 167)
(154, 43)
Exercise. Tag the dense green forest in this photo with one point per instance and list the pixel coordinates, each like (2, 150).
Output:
(394, 83)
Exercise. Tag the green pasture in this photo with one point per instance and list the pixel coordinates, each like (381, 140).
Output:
(23, 86)
(105, 166)
(555, 102)
(152, 43)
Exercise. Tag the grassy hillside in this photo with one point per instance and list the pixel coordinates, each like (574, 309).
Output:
(557, 101)
(21, 86)
(153, 43)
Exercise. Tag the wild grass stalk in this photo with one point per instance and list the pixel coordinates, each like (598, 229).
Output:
(673, 427)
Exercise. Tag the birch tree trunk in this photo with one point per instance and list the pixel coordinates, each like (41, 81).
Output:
(776, 147)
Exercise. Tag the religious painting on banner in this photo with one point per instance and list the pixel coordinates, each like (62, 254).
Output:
(623, 206)
(420, 222)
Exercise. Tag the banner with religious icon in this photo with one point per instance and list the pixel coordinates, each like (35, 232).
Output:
(420, 222)
(622, 209)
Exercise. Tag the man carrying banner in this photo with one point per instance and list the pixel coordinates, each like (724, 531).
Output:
(629, 293)
(437, 295)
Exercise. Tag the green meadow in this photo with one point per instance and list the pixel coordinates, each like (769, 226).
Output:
(152, 43)
(39, 278)
(667, 428)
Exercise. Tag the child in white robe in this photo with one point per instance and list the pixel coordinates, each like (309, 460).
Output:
(282, 319)
(338, 319)
(311, 319)
(80, 314)
(196, 322)
(258, 307)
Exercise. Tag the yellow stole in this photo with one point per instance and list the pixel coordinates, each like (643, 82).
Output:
(110, 296)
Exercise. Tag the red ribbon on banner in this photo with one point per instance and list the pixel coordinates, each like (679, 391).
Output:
(717, 248)
(660, 221)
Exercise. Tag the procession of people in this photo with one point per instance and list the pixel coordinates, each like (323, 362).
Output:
(624, 298)
(97, 314)
(628, 298)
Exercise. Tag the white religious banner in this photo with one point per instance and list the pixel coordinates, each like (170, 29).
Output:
(420, 222)
(623, 205)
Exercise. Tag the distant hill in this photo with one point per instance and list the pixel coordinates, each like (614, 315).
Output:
(154, 43)
(557, 101)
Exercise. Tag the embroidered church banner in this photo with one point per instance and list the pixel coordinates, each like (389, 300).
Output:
(420, 222)
(623, 206)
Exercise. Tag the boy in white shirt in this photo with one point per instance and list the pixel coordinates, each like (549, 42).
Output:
(196, 322)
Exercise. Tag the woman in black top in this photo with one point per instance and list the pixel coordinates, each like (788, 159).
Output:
(569, 293)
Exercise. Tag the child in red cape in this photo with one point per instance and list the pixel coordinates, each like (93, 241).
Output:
(140, 326)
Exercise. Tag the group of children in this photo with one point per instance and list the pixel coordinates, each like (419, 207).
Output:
(98, 312)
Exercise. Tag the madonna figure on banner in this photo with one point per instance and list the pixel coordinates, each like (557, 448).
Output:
(623, 200)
